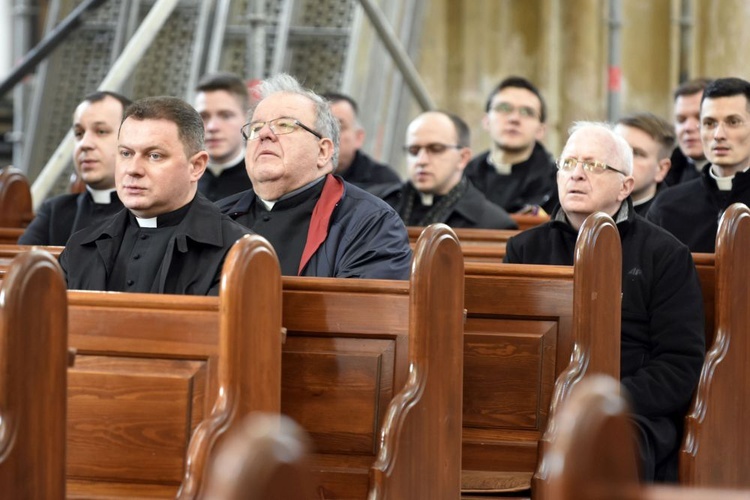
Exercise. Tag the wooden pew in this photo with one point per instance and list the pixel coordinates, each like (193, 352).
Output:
(716, 448)
(15, 199)
(592, 454)
(527, 221)
(149, 368)
(264, 457)
(477, 245)
(532, 333)
(33, 364)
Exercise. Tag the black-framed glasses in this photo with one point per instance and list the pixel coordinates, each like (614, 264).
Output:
(595, 167)
(506, 108)
(434, 148)
(279, 126)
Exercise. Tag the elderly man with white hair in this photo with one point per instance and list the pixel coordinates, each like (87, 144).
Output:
(663, 343)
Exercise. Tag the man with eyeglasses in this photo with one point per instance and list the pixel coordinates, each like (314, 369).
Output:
(517, 173)
(318, 224)
(663, 343)
(437, 148)
(691, 210)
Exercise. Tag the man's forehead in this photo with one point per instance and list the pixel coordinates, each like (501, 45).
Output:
(434, 124)
(284, 104)
(589, 143)
(517, 95)
(106, 109)
(147, 132)
(724, 106)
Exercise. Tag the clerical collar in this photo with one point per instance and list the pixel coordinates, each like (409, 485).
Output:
(270, 203)
(500, 168)
(698, 164)
(724, 183)
(218, 168)
(427, 199)
(164, 220)
(100, 196)
(643, 200)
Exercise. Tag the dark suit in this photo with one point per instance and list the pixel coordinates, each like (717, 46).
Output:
(365, 172)
(63, 215)
(191, 265)
(230, 181)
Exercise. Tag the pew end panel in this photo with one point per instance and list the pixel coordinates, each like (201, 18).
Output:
(33, 365)
(16, 210)
(716, 450)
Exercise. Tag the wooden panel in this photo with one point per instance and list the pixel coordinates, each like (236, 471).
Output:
(363, 373)
(507, 363)
(109, 401)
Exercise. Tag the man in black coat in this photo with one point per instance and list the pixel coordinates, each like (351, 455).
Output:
(663, 342)
(437, 148)
(95, 124)
(517, 173)
(170, 239)
(691, 210)
(222, 100)
(355, 166)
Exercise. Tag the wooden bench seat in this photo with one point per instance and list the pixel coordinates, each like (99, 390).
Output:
(33, 364)
(15, 200)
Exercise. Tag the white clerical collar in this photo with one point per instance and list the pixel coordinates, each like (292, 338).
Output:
(218, 168)
(270, 203)
(698, 164)
(500, 168)
(100, 196)
(146, 222)
(724, 183)
(427, 199)
(643, 200)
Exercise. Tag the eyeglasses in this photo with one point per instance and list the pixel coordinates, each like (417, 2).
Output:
(279, 126)
(434, 148)
(595, 167)
(506, 108)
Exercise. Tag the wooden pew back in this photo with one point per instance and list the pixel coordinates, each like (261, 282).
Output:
(592, 454)
(33, 364)
(15, 199)
(716, 428)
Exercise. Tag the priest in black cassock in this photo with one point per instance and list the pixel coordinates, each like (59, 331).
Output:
(95, 123)
(170, 239)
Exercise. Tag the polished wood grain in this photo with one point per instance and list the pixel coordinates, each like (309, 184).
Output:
(15, 200)
(592, 452)
(33, 364)
(420, 452)
(716, 427)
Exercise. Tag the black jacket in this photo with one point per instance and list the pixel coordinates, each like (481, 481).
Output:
(531, 182)
(63, 215)
(365, 172)
(363, 236)
(191, 265)
(682, 169)
(231, 180)
(663, 339)
(691, 211)
(471, 210)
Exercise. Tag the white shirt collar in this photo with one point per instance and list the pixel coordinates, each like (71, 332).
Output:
(218, 168)
(100, 196)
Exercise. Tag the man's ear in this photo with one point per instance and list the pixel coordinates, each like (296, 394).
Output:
(627, 187)
(198, 164)
(541, 132)
(465, 154)
(325, 152)
(359, 137)
(663, 169)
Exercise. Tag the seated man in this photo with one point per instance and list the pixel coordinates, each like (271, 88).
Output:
(318, 224)
(95, 124)
(691, 210)
(222, 101)
(170, 239)
(663, 343)
(437, 146)
(516, 173)
(652, 139)
(354, 165)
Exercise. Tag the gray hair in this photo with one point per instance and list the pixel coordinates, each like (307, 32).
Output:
(325, 123)
(622, 150)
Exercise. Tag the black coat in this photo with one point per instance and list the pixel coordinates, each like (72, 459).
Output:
(190, 266)
(365, 172)
(681, 170)
(63, 215)
(691, 210)
(231, 180)
(472, 210)
(531, 182)
(663, 339)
